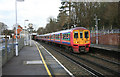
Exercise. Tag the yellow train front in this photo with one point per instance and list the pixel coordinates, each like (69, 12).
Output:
(80, 40)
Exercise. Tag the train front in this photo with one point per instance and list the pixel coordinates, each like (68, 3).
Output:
(81, 40)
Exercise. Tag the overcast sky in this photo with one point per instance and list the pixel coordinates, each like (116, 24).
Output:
(36, 11)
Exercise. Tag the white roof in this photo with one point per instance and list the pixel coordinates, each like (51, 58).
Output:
(34, 33)
(62, 31)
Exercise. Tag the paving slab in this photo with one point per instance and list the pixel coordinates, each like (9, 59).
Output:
(17, 66)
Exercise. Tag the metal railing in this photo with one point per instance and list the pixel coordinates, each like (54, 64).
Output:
(8, 49)
(103, 32)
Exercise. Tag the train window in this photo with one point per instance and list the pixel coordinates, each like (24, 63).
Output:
(66, 36)
(63, 36)
(86, 35)
(48, 37)
(52, 36)
(57, 36)
(75, 34)
(69, 37)
(81, 34)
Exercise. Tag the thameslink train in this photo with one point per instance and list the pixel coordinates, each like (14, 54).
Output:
(75, 39)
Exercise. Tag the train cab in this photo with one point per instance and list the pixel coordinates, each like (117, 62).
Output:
(81, 40)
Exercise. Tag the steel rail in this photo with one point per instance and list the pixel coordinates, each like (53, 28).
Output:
(99, 65)
(113, 62)
(91, 62)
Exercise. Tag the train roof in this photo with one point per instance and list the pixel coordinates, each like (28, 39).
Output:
(64, 31)
(69, 30)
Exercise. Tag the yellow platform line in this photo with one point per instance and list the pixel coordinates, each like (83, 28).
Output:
(48, 71)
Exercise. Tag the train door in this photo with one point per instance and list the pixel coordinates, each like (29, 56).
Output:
(50, 37)
(81, 37)
(60, 37)
(76, 36)
(54, 37)
(86, 36)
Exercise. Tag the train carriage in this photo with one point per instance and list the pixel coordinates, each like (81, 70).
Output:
(76, 39)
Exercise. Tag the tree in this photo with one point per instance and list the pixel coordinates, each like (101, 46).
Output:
(2, 27)
(40, 30)
(62, 20)
(52, 25)
(83, 13)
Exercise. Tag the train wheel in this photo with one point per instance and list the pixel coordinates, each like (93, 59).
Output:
(70, 49)
(60, 46)
(86, 50)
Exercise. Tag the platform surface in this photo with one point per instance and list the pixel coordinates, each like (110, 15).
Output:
(29, 62)
(106, 47)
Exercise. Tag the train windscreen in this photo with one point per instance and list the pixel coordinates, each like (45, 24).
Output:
(86, 35)
(75, 34)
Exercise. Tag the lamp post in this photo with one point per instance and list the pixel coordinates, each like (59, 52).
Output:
(25, 39)
(30, 31)
(16, 25)
(96, 19)
(16, 28)
(69, 14)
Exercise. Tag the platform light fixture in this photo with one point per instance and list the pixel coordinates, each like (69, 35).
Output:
(16, 24)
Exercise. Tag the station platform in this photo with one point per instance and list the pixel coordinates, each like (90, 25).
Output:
(106, 47)
(34, 61)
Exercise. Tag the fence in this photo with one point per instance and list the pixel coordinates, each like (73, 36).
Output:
(106, 37)
(104, 32)
(8, 49)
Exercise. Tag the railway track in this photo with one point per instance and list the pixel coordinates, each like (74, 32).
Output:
(100, 64)
(106, 53)
(89, 62)
(110, 61)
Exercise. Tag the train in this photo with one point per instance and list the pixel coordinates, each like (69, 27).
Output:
(76, 39)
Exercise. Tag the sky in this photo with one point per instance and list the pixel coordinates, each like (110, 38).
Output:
(36, 11)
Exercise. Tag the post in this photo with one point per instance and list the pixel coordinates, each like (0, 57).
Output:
(6, 43)
(25, 39)
(69, 14)
(30, 39)
(96, 34)
(30, 31)
(16, 28)
(24, 35)
(96, 28)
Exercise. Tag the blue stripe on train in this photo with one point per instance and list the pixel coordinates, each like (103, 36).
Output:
(57, 41)
(66, 42)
